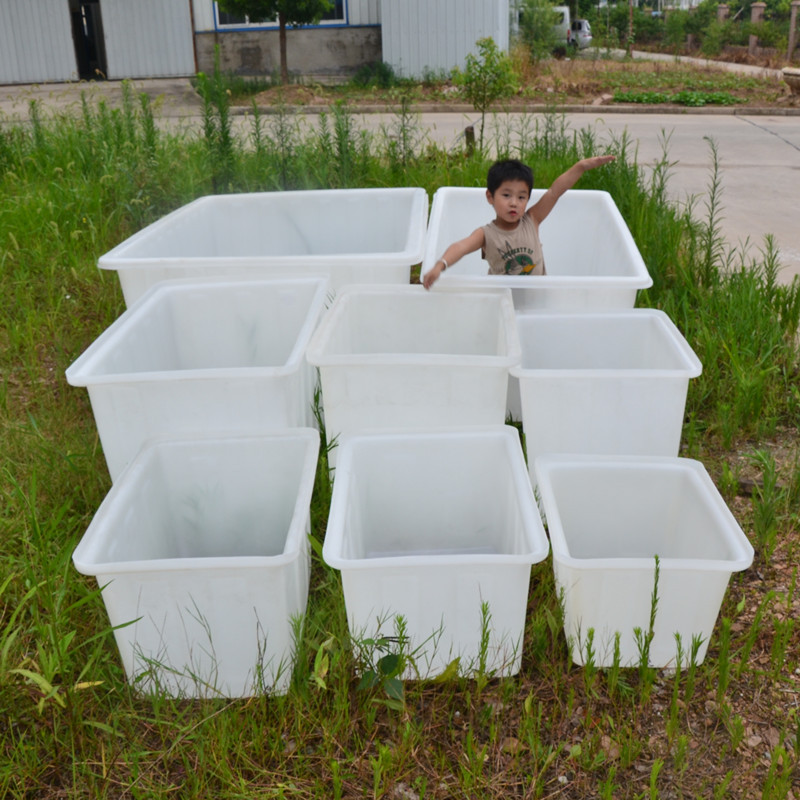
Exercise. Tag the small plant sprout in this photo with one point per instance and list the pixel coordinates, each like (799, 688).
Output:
(681, 754)
(589, 668)
(734, 725)
(386, 659)
(645, 638)
(723, 659)
(691, 671)
(655, 771)
(386, 671)
(381, 764)
(616, 684)
(674, 705)
(753, 632)
(319, 674)
(767, 505)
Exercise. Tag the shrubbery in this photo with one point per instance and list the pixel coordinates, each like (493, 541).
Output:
(671, 30)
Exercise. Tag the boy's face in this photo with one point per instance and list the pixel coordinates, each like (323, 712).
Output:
(509, 201)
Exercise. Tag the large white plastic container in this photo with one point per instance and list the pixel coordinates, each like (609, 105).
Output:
(603, 383)
(401, 357)
(591, 258)
(608, 518)
(201, 552)
(440, 529)
(350, 235)
(212, 355)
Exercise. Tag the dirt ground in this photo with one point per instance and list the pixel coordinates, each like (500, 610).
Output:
(572, 82)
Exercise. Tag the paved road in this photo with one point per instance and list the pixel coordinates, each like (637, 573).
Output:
(759, 155)
(759, 158)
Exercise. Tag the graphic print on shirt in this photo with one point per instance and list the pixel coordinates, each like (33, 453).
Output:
(517, 261)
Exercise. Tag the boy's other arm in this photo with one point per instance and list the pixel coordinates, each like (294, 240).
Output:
(454, 253)
(539, 211)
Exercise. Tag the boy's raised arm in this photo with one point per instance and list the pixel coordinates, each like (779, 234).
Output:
(562, 183)
(456, 251)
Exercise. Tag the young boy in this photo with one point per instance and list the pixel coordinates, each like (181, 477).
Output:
(511, 242)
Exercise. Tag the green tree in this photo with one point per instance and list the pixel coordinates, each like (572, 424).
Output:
(536, 29)
(488, 76)
(675, 29)
(288, 12)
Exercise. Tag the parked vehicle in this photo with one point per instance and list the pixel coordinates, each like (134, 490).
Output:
(566, 31)
(579, 35)
(562, 23)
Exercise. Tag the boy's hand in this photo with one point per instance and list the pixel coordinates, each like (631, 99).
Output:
(432, 275)
(596, 161)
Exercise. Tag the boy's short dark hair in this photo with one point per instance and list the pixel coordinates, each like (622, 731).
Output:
(508, 170)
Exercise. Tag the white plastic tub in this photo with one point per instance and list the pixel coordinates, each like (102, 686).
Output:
(213, 355)
(603, 383)
(608, 518)
(591, 258)
(201, 552)
(350, 235)
(401, 357)
(428, 526)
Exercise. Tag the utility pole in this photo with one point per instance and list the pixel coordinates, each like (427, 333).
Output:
(630, 28)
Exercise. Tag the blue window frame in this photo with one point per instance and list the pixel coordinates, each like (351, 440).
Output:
(336, 16)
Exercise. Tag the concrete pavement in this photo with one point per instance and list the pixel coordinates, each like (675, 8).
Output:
(759, 153)
(173, 98)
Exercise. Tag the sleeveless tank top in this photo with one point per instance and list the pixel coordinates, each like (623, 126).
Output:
(517, 252)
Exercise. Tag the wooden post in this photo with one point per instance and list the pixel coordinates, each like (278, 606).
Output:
(756, 15)
(793, 30)
(469, 136)
(723, 11)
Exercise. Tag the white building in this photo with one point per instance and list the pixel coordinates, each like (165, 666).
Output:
(67, 40)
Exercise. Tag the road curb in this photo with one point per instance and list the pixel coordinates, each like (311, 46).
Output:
(452, 108)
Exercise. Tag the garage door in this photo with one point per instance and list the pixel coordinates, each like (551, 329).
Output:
(148, 38)
(36, 42)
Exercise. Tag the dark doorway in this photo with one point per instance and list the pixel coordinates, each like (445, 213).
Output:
(87, 33)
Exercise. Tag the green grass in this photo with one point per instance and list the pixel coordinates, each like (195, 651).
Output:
(685, 97)
(72, 726)
(545, 81)
(671, 77)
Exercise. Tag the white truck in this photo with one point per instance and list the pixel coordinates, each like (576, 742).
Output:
(563, 24)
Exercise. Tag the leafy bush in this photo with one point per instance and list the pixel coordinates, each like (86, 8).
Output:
(646, 27)
(675, 29)
(716, 36)
(239, 86)
(767, 32)
(378, 73)
(700, 17)
(610, 25)
(536, 28)
(670, 32)
(488, 77)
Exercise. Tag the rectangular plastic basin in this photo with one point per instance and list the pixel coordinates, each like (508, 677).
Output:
(608, 518)
(401, 357)
(603, 383)
(440, 530)
(213, 355)
(591, 258)
(350, 235)
(201, 552)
